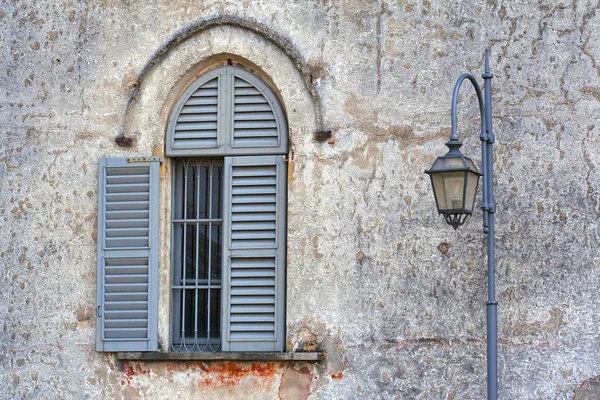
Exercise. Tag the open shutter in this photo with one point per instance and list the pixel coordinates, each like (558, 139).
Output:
(127, 287)
(254, 252)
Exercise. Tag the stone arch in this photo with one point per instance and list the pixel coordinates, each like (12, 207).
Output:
(199, 47)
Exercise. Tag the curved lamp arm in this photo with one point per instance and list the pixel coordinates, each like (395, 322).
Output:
(471, 78)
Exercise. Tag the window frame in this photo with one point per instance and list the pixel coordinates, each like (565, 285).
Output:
(159, 249)
(227, 148)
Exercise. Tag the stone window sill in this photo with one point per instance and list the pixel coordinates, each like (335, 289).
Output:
(225, 356)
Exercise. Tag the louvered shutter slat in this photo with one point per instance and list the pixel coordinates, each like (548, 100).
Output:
(251, 108)
(127, 314)
(241, 300)
(251, 336)
(203, 109)
(127, 223)
(129, 179)
(127, 254)
(252, 272)
(191, 137)
(124, 296)
(247, 126)
(250, 100)
(202, 101)
(254, 222)
(253, 216)
(200, 127)
(124, 215)
(127, 323)
(116, 278)
(197, 117)
(125, 333)
(251, 309)
(126, 269)
(252, 318)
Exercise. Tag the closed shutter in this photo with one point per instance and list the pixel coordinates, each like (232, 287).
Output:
(254, 123)
(194, 123)
(254, 225)
(127, 287)
(227, 111)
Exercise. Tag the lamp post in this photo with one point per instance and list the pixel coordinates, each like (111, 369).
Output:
(454, 178)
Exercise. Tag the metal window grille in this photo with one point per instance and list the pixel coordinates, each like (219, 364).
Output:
(197, 252)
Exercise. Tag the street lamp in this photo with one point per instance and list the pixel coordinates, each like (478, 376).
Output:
(454, 178)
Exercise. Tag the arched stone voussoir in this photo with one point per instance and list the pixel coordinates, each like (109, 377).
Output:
(204, 46)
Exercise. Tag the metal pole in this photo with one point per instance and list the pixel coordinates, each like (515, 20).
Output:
(488, 206)
(490, 209)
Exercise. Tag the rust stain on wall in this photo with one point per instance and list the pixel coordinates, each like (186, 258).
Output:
(231, 373)
(226, 372)
(133, 369)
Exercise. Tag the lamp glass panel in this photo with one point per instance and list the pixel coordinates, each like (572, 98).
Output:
(472, 182)
(447, 163)
(470, 164)
(449, 189)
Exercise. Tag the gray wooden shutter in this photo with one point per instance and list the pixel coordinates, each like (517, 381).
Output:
(256, 122)
(194, 123)
(254, 253)
(227, 111)
(127, 287)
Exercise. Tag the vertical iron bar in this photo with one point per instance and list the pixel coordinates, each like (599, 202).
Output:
(198, 167)
(184, 259)
(492, 304)
(210, 188)
(175, 275)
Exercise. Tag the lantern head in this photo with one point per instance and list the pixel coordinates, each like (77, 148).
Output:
(454, 178)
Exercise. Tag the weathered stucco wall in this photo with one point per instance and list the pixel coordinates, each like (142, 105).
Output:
(375, 277)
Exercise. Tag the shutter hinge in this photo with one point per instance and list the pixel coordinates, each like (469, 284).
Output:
(99, 312)
(288, 157)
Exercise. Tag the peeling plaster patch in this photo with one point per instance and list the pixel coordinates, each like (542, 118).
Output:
(444, 247)
(554, 321)
(589, 390)
(296, 384)
(315, 248)
(367, 117)
(311, 335)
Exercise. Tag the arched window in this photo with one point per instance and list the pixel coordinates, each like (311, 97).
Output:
(228, 138)
(228, 214)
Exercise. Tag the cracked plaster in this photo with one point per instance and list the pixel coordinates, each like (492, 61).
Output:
(367, 283)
